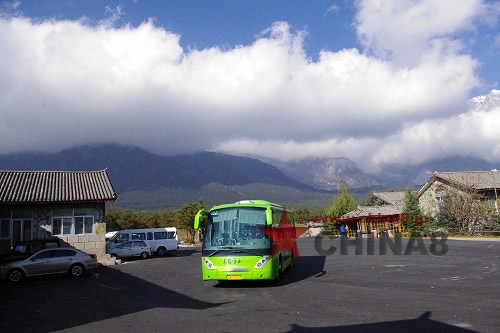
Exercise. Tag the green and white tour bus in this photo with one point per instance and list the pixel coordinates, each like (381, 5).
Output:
(237, 243)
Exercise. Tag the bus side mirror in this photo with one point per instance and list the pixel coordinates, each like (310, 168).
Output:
(269, 216)
(198, 216)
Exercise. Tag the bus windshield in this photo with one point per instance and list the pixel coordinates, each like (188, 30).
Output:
(236, 229)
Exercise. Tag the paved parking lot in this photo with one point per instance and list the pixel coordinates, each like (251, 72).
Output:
(456, 292)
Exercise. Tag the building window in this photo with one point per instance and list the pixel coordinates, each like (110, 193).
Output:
(67, 223)
(83, 224)
(71, 225)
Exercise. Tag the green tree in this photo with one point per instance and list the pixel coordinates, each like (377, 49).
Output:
(465, 212)
(373, 200)
(303, 215)
(412, 208)
(119, 220)
(343, 203)
(185, 217)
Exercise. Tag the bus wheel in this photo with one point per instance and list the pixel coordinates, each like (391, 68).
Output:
(161, 251)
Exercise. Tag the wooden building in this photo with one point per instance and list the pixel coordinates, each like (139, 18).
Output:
(376, 220)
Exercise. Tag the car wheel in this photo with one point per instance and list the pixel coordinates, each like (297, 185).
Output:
(15, 275)
(144, 255)
(161, 251)
(76, 270)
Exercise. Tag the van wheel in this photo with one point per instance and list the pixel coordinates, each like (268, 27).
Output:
(144, 255)
(161, 251)
(76, 270)
(15, 275)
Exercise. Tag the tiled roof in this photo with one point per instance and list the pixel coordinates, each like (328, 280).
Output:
(375, 210)
(55, 186)
(391, 198)
(477, 180)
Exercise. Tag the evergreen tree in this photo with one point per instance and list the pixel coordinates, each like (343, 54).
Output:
(412, 208)
(373, 200)
(343, 203)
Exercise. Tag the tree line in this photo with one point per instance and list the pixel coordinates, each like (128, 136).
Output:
(462, 213)
(459, 213)
(182, 219)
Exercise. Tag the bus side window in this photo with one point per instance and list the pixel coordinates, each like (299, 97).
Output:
(150, 235)
(171, 235)
(138, 236)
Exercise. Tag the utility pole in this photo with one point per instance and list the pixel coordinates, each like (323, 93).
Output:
(495, 188)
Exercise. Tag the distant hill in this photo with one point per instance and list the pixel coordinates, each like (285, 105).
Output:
(327, 173)
(144, 180)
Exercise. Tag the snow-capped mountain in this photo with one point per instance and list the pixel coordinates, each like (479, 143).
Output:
(486, 102)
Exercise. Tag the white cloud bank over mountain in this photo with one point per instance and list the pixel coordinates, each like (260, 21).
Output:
(400, 99)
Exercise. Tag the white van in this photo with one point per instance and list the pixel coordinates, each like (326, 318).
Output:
(160, 240)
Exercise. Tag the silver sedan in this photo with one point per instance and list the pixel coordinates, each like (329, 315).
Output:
(49, 261)
(131, 249)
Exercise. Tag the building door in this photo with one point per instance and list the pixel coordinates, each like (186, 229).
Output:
(21, 230)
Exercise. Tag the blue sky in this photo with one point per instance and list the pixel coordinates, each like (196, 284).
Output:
(205, 24)
(332, 78)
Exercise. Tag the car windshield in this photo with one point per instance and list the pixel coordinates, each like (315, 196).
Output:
(236, 229)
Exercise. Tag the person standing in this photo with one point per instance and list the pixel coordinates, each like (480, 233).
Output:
(342, 231)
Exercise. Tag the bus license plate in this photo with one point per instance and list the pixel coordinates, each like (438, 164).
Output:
(234, 277)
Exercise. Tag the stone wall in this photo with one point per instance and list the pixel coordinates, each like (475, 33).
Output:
(92, 244)
(428, 201)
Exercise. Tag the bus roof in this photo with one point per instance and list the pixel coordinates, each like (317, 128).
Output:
(249, 203)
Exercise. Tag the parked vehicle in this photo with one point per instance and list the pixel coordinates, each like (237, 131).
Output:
(132, 249)
(49, 261)
(24, 249)
(160, 240)
(109, 235)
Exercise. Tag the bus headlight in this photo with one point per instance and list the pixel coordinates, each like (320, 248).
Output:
(262, 262)
(208, 263)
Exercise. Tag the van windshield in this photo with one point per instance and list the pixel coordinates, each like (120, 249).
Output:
(119, 238)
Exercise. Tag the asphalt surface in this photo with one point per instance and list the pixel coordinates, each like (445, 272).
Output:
(456, 292)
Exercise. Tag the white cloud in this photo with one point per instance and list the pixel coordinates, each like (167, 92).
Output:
(64, 83)
(332, 9)
(404, 30)
(115, 14)
(473, 133)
